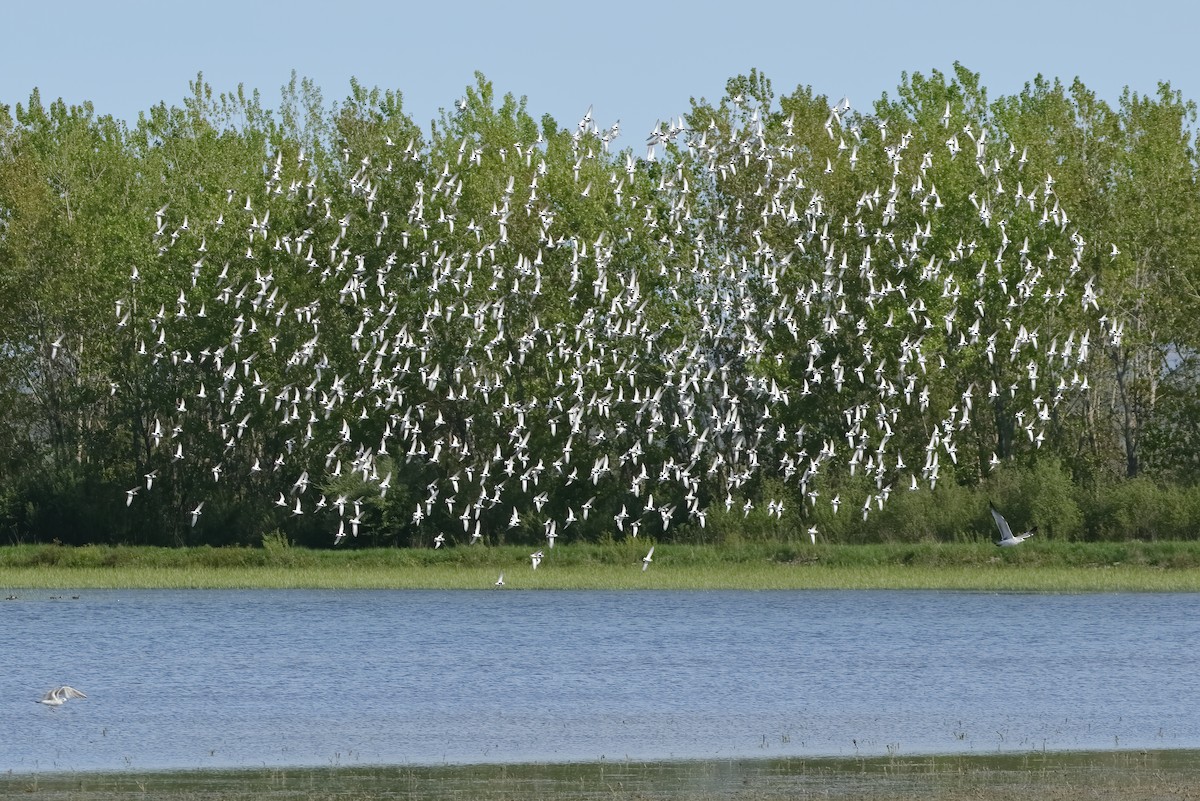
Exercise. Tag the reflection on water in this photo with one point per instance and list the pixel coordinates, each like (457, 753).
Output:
(248, 678)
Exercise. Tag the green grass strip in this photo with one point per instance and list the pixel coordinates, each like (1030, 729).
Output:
(1033, 567)
(1035, 776)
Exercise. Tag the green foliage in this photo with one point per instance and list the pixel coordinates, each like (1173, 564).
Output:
(254, 308)
(946, 513)
(275, 541)
(1143, 509)
(1041, 494)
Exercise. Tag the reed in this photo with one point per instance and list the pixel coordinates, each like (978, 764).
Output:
(1015, 777)
(1033, 567)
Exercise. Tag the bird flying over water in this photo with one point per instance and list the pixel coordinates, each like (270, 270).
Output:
(1007, 538)
(60, 695)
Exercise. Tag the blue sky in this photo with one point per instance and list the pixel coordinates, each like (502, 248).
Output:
(633, 61)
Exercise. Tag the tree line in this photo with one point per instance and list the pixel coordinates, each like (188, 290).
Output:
(778, 317)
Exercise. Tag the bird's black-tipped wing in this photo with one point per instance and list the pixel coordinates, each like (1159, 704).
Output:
(1001, 523)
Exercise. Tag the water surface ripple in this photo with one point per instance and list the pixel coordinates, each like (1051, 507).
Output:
(198, 678)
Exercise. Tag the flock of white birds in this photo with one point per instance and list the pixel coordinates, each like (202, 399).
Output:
(664, 356)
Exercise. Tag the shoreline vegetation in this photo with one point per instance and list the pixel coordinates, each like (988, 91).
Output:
(334, 320)
(1048, 566)
(1061, 776)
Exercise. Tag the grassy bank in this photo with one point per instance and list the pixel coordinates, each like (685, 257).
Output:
(1034, 566)
(1024, 777)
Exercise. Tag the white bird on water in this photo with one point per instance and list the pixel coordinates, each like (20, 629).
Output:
(1007, 538)
(60, 695)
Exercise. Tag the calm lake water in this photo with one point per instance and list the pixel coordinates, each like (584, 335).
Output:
(188, 679)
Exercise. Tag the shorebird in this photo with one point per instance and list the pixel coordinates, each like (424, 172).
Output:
(1007, 538)
(60, 695)
(646, 559)
(535, 559)
(500, 581)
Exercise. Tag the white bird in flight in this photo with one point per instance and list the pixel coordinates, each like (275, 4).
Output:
(60, 695)
(647, 559)
(1007, 538)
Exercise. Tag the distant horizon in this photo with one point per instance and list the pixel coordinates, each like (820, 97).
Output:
(633, 64)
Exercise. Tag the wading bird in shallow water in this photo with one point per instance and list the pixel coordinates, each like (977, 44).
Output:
(1007, 538)
(60, 695)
